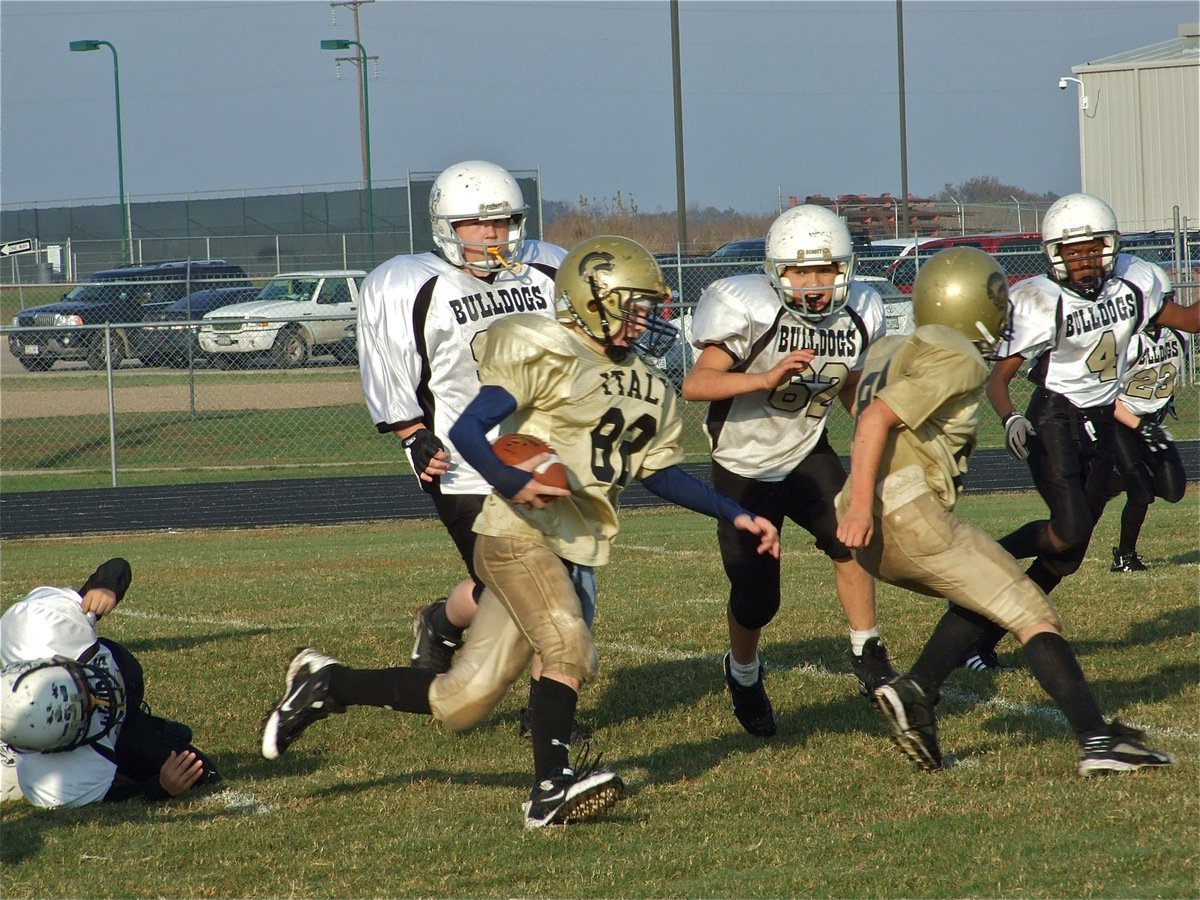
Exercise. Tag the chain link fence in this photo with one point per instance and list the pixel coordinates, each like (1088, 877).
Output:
(120, 414)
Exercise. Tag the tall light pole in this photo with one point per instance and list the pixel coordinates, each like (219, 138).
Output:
(680, 195)
(342, 44)
(907, 221)
(126, 223)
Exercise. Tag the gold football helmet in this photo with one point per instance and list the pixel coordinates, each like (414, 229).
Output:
(607, 281)
(965, 289)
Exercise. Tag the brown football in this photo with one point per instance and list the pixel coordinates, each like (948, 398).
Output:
(516, 448)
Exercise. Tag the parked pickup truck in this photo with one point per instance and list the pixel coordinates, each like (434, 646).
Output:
(121, 295)
(297, 315)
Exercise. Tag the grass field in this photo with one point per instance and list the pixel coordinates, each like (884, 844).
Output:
(379, 804)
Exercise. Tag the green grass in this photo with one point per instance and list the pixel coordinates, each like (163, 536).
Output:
(379, 804)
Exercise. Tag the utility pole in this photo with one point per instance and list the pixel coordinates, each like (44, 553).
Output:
(357, 60)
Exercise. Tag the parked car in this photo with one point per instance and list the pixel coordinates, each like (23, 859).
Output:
(1020, 254)
(296, 315)
(119, 295)
(165, 340)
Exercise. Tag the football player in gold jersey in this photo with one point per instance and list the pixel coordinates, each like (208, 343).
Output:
(577, 384)
(917, 416)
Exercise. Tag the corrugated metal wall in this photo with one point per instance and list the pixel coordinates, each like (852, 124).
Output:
(1140, 141)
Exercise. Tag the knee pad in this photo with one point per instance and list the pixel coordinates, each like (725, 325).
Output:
(753, 611)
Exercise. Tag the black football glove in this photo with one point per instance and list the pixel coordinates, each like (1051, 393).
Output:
(424, 445)
(1156, 438)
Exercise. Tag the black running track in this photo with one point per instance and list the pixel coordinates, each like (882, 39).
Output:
(328, 501)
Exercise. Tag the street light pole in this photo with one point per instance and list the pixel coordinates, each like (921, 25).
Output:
(126, 219)
(341, 44)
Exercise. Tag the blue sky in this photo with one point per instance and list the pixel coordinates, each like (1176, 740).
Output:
(790, 98)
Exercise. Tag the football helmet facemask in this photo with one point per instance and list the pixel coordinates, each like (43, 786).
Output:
(608, 281)
(54, 704)
(810, 236)
(477, 190)
(1070, 220)
(965, 289)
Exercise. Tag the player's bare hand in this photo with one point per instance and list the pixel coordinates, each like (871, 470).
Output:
(856, 529)
(99, 601)
(535, 494)
(793, 364)
(180, 772)
(767, 533)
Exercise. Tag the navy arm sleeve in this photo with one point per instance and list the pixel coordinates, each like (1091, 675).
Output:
(491, 406)
(676, 485)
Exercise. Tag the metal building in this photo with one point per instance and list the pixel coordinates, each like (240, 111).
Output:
(1139, 131)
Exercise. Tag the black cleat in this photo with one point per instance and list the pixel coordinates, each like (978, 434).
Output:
(431, 651)
(575, 794)
(751, 704)
(872, 667)
(1118, 749)
(305, 700)
(1127, 562)
(909, 715)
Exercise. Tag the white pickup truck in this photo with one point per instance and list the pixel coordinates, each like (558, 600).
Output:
(297, 315)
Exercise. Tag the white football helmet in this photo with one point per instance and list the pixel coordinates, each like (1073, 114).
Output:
(809, 236)
(1074, 218)
(477, 190)
(49, 705)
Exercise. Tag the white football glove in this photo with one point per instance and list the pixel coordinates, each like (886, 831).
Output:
(1017, 430)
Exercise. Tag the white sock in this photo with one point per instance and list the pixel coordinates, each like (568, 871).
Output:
(745, 675)
(859, 638)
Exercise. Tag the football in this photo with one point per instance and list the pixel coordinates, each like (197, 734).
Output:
(516, 448)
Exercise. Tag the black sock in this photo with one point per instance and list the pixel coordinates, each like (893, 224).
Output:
(1043, 576)
(1132, 517)
(442, 625)
(954, 635)
(552, 715)
(992, 635)
(1027, 541)
(533, 692)
(402, 690)
(1054, 665)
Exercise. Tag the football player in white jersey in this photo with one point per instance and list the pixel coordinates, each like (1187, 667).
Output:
(917, 418)
(1075, 326)
(419, 318)
(776, 349)
(577, 385)
(1148, 462)
(71, 704)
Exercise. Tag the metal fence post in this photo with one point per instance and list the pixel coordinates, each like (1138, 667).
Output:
(112, 404)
